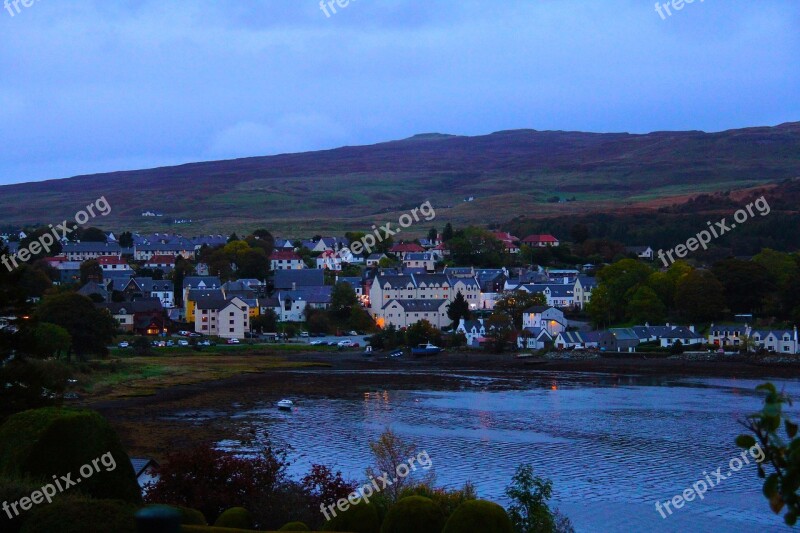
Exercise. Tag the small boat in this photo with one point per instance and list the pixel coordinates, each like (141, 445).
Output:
(426, 349)
(285, 405)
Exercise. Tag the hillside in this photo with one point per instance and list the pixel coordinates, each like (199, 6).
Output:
(510, 173)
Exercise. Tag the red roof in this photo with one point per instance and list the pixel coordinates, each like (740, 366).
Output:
(283, 255)
(505, 237)
(406, 247)
(162, 260)
(540, 238)
(111, 260)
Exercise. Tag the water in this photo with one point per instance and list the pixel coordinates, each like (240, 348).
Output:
(612, 446)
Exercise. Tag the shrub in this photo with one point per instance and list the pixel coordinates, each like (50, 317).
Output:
(12, 490)
(361, 518)
(479, 515)
(415, 514)
(77, 515)
(447, 500)
(190, 517)
(294, 526)
(235, 518)
(41, 443)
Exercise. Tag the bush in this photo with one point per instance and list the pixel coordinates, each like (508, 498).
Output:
(294, 526)
(12, 490)
(361, 518)
(190, 517)
(415, 514)
(479, 515)
(447, 500)
(235, 518)
(41, 443)
(74, 515)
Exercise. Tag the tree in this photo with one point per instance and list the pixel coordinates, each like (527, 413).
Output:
(265, 322)
(179, 273)
(735, 274)
(529, 510)
(90, 328)
(515, 303)
(31, 281)
(645, 306)
(447, 234)
(422, 332)
(458, 309)
(433, 234)
(499, 328)
(126, 239)
(343, 300)
(46, 340)
(389, 451)
(91, 271)
(773, 444)
(233, 237)
(699, 297)
(619, 282)
(212, 480)
(477, 246)
(93, 235)
(322, 486)
(579, 233)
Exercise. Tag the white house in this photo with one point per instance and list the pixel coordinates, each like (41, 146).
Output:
(548, 318)
(285, 260)
(473, 330)
(226, 318)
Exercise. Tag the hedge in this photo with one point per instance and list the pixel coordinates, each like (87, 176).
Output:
(41, 443)
(295, 526)
(361, 518)
(414, 514)
(235, 518)
(479, 515)
(79, 515)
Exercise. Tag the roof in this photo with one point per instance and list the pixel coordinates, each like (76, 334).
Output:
(419, 256)
(284, 255)
(624, 334)
(537, 309)
(312, 295)
(77, 247)
(214, 302)
(418, 306)
(406, 247)
(111, 260)
(140, 465)
(195, 294)
(394, 281)
(159, 259)
(307, 277)
(587, 281)
(194, 282)
(144, 305)
(540, 238)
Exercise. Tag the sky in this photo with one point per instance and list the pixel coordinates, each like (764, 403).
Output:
(90, 86)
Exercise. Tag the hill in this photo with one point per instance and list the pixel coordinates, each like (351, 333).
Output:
(509, 173)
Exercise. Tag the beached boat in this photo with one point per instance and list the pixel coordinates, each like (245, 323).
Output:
(285, 405)
(426, 349)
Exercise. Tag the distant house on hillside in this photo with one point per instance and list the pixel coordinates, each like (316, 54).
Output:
(642, 252)
(540, 241)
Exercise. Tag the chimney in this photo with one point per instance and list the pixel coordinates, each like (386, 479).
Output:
(294, 285)
(691, 328)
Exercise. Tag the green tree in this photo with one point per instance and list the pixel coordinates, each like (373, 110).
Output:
(477, 246)
(91, 271)
(620, 280)
(447, 234)
(432, 234)
(579, 233)
(343, 300)
(529, 510)
(46, 340)
(266, 322)
(700, 297)
(92, 234)
(91, 329)
(126, 239)
(735, 275)
(458, 309)
(422, 332)
(774, 444)
(499, 329)
(645, 306)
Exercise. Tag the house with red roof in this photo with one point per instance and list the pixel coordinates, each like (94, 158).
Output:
(114, 264)
(285, 260)
(404, 248)
(540, 241)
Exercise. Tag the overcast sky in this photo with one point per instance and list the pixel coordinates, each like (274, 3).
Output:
(91, 86)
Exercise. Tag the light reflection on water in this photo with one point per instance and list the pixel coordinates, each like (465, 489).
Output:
(611, 445)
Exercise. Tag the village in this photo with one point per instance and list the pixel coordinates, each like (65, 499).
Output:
(406, 284)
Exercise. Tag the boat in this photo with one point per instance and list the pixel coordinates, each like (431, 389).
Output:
(426, 349)
(285, 405)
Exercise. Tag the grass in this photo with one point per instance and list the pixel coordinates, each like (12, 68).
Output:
(132, 376)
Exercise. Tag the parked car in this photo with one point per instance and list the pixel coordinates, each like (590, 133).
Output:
(170, 343)
(304, 334)
(183, 342)
(347, 343)
(204, 343)
(353, 333)
(123, 344)
(315, 343)
(194, 334)
(332, 343)
(233, 341)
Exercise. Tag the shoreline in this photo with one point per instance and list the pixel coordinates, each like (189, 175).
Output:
(170, 418)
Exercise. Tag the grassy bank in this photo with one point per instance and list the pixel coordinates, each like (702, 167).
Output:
(130, 376)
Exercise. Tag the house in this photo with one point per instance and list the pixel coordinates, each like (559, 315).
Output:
(642, 252)
(293, 303)
(113, 264)
(191, 296)
(285, 260)
(473, 330)
(779, 341)
(329, 260)
(354, 282)
(241, 288)
(556, 294)
(618, 340)
(374, 260)
(228, 318)
(145, 316)
(144, 287)
(284, 245)
(577, 339)
(402, 249)
(582, 290)
(183, 248)
(540, 241)
(293, 279)
(94, 290)
(686, 335)
(83, 251)
(165, 263)
(533, 338)
(728, 337)
(404, 313)
(508, 240)
(548, 318)
(421, 260)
